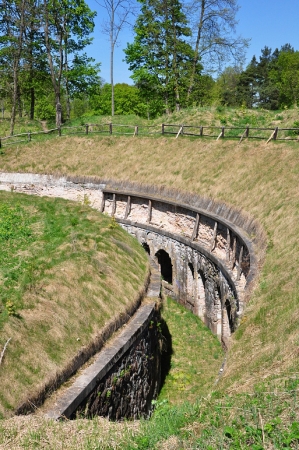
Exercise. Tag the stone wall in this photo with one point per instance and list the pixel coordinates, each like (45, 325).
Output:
(127, 391)
(211, 260)
(198, 282)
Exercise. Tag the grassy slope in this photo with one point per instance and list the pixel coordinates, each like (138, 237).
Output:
(66, 279)
(196, 356)
(262, 179)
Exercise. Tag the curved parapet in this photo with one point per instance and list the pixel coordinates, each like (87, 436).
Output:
(206, 261)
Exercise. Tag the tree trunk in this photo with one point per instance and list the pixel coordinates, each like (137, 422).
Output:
(32, 102)
(196, 51)
(55, 81)
(111, 64)
(20, 109)
(16, 64)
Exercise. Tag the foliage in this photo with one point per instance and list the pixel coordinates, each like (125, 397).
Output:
(126, 101)
(160, 57)
(41, 45)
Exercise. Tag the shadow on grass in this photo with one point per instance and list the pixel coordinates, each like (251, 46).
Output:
(167, 352)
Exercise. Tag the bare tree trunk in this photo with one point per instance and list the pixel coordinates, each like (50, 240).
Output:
(112, 43)
(55, 82)
(32, 102)
(196, 51)
(16, 63)
(111, 80)
(175, 69)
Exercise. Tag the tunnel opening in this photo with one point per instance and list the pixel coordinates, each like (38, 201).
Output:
(165, 264)
(146, 248)
(229, 316)
(191, 269)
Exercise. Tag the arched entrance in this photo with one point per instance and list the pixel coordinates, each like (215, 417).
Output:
(146, 248)
(165, 264)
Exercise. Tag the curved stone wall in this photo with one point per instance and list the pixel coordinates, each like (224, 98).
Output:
(206, 261)
(211, 260)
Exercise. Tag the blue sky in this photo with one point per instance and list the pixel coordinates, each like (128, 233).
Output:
(272, 23)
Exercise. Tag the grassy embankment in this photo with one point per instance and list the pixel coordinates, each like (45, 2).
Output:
(66, 271)
(255, 403)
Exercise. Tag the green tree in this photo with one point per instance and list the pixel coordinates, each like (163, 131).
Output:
(67, 26)
(12, 28)
(285, 75)
(160, 56)
(214, 32)
(127, 100)
(226, 86)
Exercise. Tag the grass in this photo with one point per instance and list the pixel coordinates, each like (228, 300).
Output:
(253, 175)
(262, 180)
(23, 125)
(196, 356)
(208, 117)
(60, 285)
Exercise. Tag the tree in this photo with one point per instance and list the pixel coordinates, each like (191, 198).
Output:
(160, 56)
(12, 27)
(118, 12)
(247, 86)
(285, 75)
(214, 23)
(67, 25)
(227, 84)
(127, 100)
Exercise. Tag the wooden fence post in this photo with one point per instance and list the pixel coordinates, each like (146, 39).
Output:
(0, 143)
(272, 136)
(179, 132)
(162, 128)
(86, 128)
(201, 131)
(221, 135)
(136, 131)
(110, 127)
(59, 131)
(29, 136)
(275, 134)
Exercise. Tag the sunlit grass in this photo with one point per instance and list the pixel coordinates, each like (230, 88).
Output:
(60, 284)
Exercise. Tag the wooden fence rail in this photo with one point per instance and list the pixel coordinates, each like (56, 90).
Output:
(217, 132)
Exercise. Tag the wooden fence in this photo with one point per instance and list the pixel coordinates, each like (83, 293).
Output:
(268, 134)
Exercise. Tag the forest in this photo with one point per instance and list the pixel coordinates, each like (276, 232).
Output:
(181, 56)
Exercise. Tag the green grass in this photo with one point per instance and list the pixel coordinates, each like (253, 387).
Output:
(206, 116)
(23, 125)
(196, 355)
(266, 419)
(60, 283)
(263, 358)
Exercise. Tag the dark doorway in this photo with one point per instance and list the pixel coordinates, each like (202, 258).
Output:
(165, 265)
(229, 315)
(146, 248)
(191, 269)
